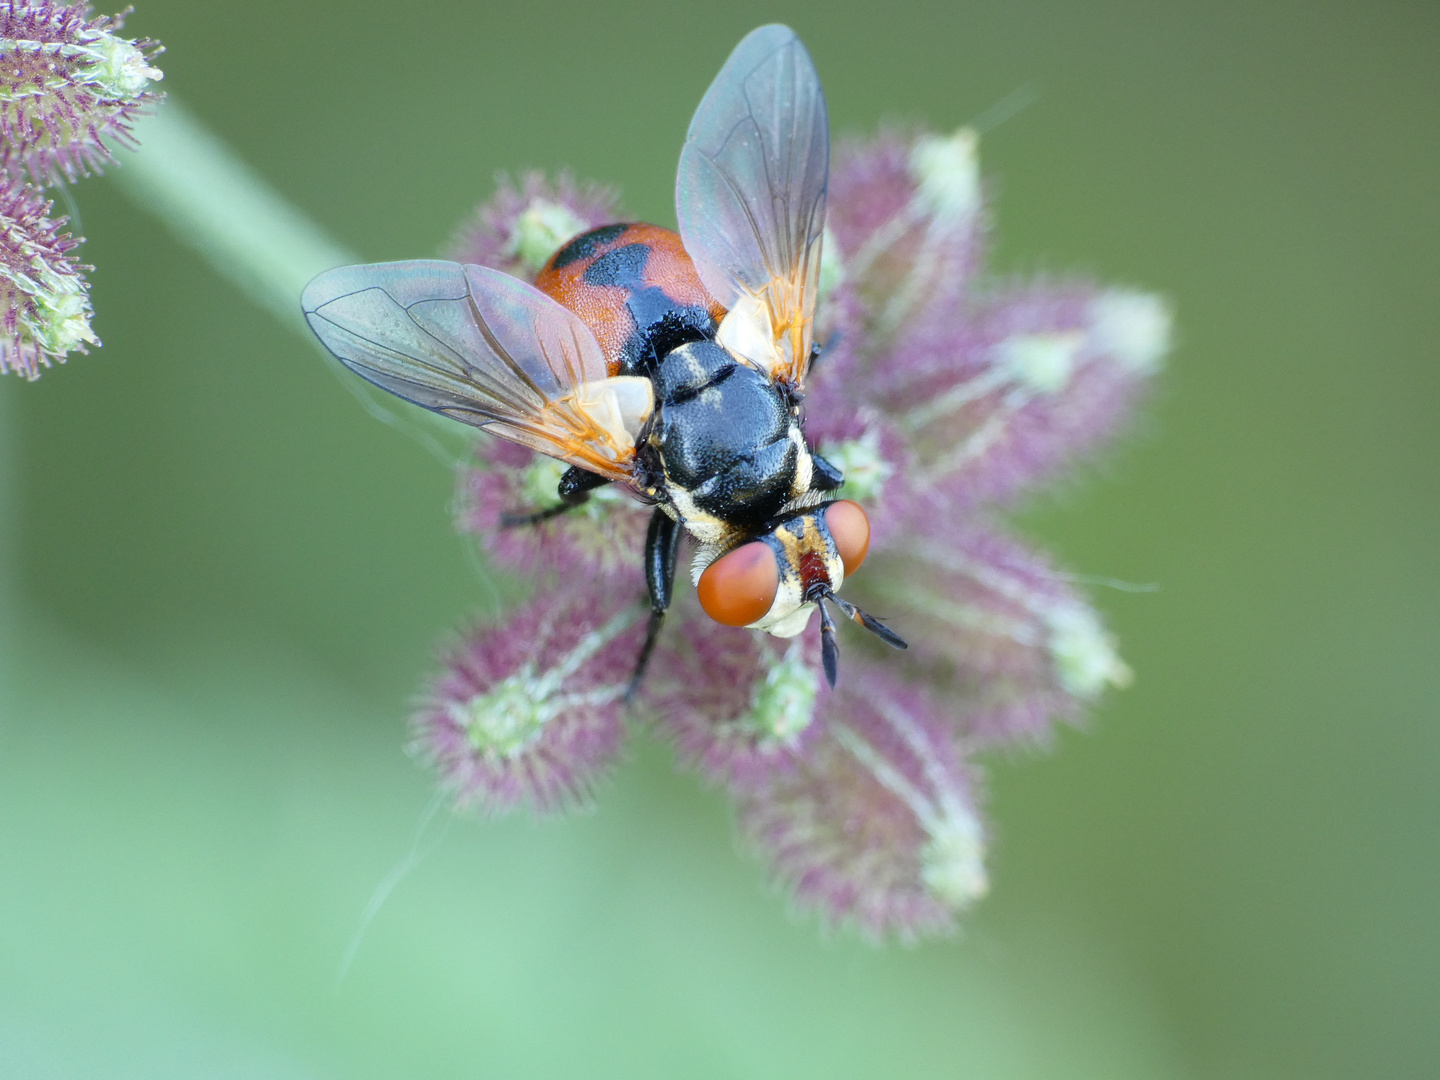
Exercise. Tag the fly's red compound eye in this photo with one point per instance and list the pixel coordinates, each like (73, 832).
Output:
(739, 587)
(850, 529)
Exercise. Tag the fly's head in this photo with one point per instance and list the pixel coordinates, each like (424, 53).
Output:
(797, 563)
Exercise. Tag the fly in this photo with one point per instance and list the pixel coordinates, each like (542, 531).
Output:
(671, 363)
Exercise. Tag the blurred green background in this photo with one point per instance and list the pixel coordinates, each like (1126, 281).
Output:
(222, 581)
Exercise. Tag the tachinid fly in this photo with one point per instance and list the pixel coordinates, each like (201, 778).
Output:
(673, 364)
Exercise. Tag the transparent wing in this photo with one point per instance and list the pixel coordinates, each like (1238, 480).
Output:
(750, 194)
(481, 347)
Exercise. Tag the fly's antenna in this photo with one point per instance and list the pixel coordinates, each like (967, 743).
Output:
(869, 622)
(830, 646)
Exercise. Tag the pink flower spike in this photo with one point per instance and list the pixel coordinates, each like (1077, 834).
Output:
(1008, 395)
(876, 826)
(907, 214)
(524, 223)
(1010, 644)
(68, 83)
(604, 535)
(738, 704)
(44, 298)
(992, 390)
(529, 713)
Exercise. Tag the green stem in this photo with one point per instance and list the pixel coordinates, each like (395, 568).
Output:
(216, 204)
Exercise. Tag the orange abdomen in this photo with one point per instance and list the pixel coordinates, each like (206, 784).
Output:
(636, 289)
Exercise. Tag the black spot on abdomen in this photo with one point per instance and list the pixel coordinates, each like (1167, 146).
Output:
(661, 324)
(624, 267)
(584, 245)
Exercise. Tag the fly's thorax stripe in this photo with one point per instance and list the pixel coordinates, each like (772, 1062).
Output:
(789, 596)
(786, 546)
(704, 526)
(804, 466)
(808, 559)
(810, 551)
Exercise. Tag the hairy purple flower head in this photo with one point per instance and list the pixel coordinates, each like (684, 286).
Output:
(526, 222)
(528, 713)
(1007, 640)
(739, 706)
(942, 395)
(505, 478)
(876, 825)
(68, 83)
(44, 298)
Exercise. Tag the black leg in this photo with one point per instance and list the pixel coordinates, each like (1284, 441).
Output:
(515, 521)
(826, 477)
(662, 545)
(576, 481)
(575, 487)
